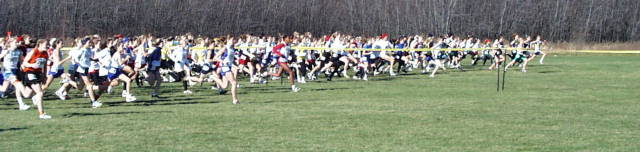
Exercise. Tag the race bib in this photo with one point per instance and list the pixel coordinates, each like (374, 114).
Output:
(112, 70)
(80, 70)
(41, 62)
(282, 60)
(226, 69)
(31, 76)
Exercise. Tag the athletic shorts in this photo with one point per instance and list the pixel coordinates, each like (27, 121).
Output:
(94, 76)
(140, 66)
(336, 59)
(11, 75)
(242, 62)
(166, 64)
(180, 75)
(454, 53)
(224, 69)
(443, 56)
(429, 58)
(84, 71)
(131, 64)
(155, 65)
(538, 53)
(33, 77)
(56, 73)
(364, 59)
(311, 61)
(488, 56)
(114, 73)
(372, 58)
(472, 53)
(207, 68)
(72, 68)
(520, 58)
(101, 80)
(282, 60)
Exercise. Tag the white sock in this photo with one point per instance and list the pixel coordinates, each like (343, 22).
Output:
(20, 102)
(35, 102)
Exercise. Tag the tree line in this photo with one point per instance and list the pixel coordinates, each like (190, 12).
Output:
(556, 20)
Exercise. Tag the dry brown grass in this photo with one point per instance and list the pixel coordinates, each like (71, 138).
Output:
(569, 46)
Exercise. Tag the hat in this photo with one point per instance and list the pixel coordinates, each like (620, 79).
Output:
(385, 35)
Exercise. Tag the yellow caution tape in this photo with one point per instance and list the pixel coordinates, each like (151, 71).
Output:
(361, 49)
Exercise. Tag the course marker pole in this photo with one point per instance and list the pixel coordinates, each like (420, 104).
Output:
(504, 74)
(498, 82)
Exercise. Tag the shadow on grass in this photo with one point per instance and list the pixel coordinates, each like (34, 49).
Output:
(7, 104)
(11, 129)
(280, 101)
(158, 101)
(545, 72)
(83, 114)
(331, 89)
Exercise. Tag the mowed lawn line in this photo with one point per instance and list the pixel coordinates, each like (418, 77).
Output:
(571, 103)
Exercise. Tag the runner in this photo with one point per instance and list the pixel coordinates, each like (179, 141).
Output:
(33, 65)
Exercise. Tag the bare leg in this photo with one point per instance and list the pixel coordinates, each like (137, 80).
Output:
(89, 87)
(231, 79)
(37, 98)
(542, 58)
(47, 83)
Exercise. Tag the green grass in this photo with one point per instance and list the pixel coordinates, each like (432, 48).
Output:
(571, 103)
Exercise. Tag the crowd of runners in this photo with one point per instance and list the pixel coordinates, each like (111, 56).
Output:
(95, 65)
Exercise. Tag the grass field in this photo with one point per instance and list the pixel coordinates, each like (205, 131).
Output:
(571, 103)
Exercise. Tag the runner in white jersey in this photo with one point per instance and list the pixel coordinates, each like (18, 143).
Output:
(244, 57)
(345, 56)
(537, 46)
(11, 59)
(54, 67)
(499, 53)
(521, 55)
(115, 74)
(486, 53)
(301, 62)
(383, 43)
(337, 46)
(139, 61)
(440, 56)
(181, 67)
(226, 59)
(72, 78)
(321, 58)
(84, 59)
(100, 66)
